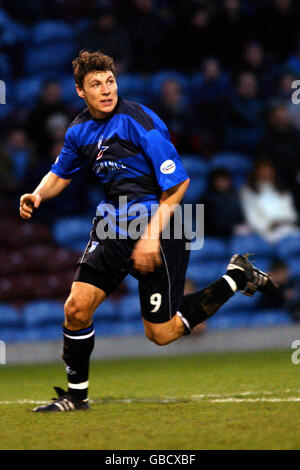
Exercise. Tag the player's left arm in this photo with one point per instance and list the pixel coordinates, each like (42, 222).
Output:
(146, 254)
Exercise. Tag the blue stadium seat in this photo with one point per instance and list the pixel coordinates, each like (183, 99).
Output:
(45, 59)
(49, 32)
(195, 165)
(129, 308)
(27, 91)
(43, 312)
(213, 249)
(157, 80)
(72, 230)
(108, 310)
(288, 247)
(204, 272)
(234, 162)
(195, 190)
(226, 321)
(294, 267)
(239, 303)
(9, 317)
(131, 83)
(270, 317)
(196, 81)
(131, 284)
(68, 91)
(251, 243)
(5, 67)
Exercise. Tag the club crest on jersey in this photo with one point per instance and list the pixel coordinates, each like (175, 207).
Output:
(101, 149)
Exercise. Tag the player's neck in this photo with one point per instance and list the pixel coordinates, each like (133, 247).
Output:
(99, 115)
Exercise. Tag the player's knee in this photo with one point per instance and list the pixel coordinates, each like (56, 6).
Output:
(77, 314)
(158, 338)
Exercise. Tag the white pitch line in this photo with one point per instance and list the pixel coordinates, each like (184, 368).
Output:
(238, 397)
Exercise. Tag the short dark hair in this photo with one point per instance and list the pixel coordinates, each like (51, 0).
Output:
(87, 62)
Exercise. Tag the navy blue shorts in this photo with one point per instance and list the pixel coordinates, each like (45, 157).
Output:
(105, 263)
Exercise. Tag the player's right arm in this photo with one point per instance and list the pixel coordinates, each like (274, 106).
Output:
(50, 186)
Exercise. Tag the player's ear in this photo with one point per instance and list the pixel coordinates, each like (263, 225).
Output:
(80, 92)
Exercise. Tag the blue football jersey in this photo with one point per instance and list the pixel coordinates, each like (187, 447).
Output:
(130, 153)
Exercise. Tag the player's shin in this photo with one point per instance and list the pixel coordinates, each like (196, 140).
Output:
(77, 349)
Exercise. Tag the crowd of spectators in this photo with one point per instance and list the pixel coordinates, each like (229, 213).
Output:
(234, 64)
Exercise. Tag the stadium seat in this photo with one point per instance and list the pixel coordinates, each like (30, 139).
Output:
(225, 321)
(9, 317)
(108, 310)
(195, 165)
(157, 80)
(236, 163)
(131, 284)
(294, 267)
(204, 272)
(131, 84)
(49, 32)
(239, 303)
(288, 247)
(45, 59)
(43, 312)
(213, 249)
(270, 317)
(72, 229)
(68, 92)
(251, 243)
(195, 190)
(27, 91)
(129, 307)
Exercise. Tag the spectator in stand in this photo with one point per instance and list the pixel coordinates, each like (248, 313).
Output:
(199, 38)
(233, 26)
(147, 32)
(293, 62)
(40, 120)
(222, 209)
(281, 142)
(73, 201)
(172, 109)
(254, 61)
(287, 296)
(20, 153)
(277, 26)
(245, 116)
(211, 98)
(268, 207)
(108, 35)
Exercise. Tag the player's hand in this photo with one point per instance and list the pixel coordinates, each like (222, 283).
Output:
(29, 202)
(146, 255)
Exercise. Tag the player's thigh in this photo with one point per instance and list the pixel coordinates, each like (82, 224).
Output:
(161, 291)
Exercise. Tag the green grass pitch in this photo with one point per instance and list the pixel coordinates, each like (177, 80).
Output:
(205, 401)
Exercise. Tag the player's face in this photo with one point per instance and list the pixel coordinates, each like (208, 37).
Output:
(100, 92)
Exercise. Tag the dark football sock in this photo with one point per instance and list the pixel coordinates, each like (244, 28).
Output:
(197, 307)
(77, 348)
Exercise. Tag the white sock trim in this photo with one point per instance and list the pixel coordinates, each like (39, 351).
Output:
(80, 337)
(81, 386)
(231, 282)
(184, 320)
